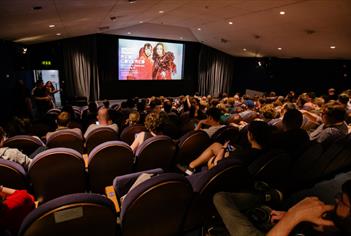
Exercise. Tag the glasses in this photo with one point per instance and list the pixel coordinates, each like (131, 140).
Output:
(339, 198)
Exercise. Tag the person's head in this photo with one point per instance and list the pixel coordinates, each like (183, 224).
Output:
(148, 49)
(106, 103)
(292, 119)
(333, 112)
(331, 92)
(63, 119)
(133, 118)
(268, 111)
(92, 107)
(49, 84)
(259, 134)
(152, 122)
(159, 50)
(214, 114)
(167, 106)
(341, 216)
(2, 136)
(103, 116)
(343, 98)
(39, 83)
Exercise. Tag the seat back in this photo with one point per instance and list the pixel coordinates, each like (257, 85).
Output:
(99, 136)
(227, 176)
(128, 133)
(155, 152)
(226, 133)
(56, 172)
(12, 175)
(157, 206)
(106, 161)
(191, 145)
(272, 167)
(66, 138)
(75, 214)
(25, 143)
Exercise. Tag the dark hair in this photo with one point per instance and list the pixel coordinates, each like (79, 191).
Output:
(167, 106)
(346, 188)
(343, 98)
(63, 119)
(335, 112)
(261, 132)
(106, 104)
(215, 113)
(2, 133)
(292, 119)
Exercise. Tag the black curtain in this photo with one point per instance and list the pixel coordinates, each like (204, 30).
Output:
(215, 71)
(80, 68)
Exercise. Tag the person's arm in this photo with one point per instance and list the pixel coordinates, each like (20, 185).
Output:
(199, 125)
(312, 117)
(4, 191)
(310, 209)
(137, 141)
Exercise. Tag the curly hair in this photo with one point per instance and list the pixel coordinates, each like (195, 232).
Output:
(152, 121)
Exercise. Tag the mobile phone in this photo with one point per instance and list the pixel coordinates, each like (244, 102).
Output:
(229, 148)
(97, 122)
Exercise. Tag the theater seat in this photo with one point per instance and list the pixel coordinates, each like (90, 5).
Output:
(155, 152)
(128, 133)
(156, 207)
(75, 214)
(226, 133)
(99, 136)
(66, 138)
(191, 145)
(57, 172)
(106, 161)
(12, 175)
(25, 143)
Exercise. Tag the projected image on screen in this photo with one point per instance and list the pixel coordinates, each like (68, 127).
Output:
(150, 60)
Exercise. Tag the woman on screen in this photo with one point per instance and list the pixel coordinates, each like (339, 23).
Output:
(141, 69)
(164, 65)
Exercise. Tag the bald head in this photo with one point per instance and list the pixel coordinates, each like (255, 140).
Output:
(103, 116)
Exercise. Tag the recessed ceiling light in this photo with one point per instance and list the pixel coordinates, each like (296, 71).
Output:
(279, 49)
(141, 22)
(282, 12)
(161, 12)
(199, 29)
(132, 1)
(332, 47)
(180, 37)
(129, 33)
(244, 49)
(51, 26)
(58, 34)
(230, 22)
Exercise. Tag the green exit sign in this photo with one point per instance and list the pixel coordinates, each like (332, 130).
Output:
(46, 63)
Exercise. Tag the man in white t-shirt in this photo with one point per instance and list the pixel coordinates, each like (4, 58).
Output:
(103, 121)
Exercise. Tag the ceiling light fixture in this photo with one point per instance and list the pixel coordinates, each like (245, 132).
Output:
(199, 29)
(58, 34)
(161, 12)
(230, 22)
(244, 49)
(131, 1)
(141, 22)
(282, 12)
(279, 49)
(332, 47)
(180, 37)
(51, 26)
(129, 33)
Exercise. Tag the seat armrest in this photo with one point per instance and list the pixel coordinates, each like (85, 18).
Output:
(110, 194)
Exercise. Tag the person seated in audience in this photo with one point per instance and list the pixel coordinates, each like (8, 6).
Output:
(103, 121)
(63, 121)
(153, 124)
(212, 123)
(259, 135)
(333, 126)
(89, 115)
(326, 219)
(12, 154)
(133, 118)
(292, 138)
(14, 206)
